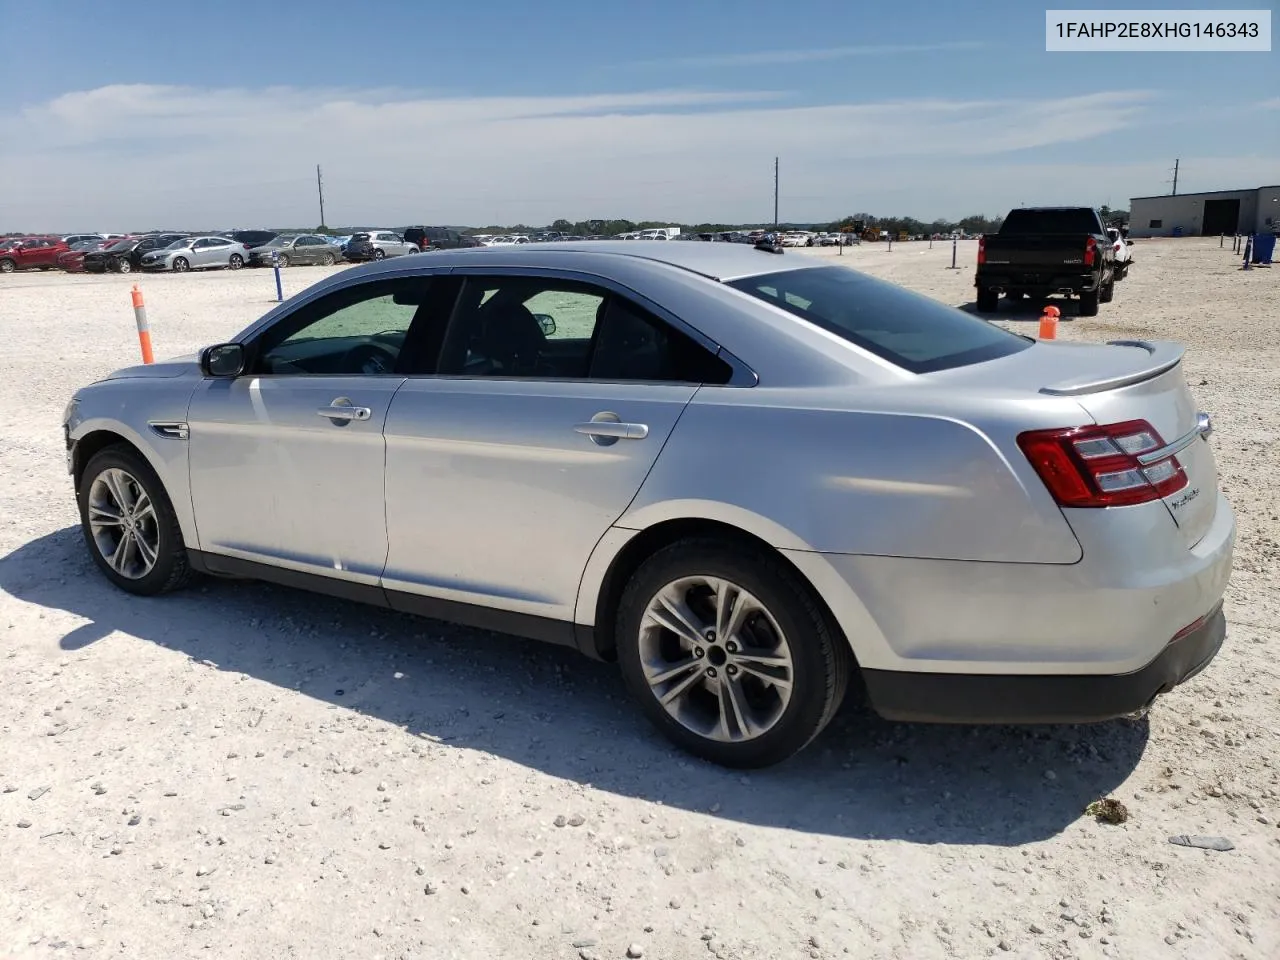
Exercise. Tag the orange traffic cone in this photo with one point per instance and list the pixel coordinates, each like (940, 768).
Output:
(1049, 323)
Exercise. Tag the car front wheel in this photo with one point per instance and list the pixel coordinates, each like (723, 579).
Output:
(728, 653)
(129, 524)
(236, 261)
(181, 265)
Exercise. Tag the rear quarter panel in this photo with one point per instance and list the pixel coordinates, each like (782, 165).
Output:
(805, 476)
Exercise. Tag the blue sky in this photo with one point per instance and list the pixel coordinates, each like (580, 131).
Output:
(502, 111)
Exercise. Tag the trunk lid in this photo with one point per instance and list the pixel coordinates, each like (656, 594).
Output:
(1052, 250)
(1116, 382)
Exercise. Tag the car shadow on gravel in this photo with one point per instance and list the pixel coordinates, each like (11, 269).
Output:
(550, 709)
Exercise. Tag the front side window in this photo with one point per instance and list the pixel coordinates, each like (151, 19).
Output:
(357, 330)
(908, 329)
(548, 329)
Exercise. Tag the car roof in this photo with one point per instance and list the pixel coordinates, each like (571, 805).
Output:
(717, 261)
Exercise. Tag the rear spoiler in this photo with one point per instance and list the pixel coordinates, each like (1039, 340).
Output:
(1165, 355)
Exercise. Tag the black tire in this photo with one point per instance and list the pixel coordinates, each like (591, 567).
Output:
(821, 659)
(181, 265)
(1089, 304)
(988, 301)
(236, 261)
(122, 266)
(7, 266)
(378, 253)
(328, 260)
(282, 260)
(1108, 291)
(172, 571)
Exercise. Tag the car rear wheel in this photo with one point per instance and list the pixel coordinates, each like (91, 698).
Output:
(728, 653)
(181, 265)
(7, 266)
(236, 261)
(988, 301)
(1108, 291)
(129, 524)
(328, 260)
(378, 253)
(1089, 304)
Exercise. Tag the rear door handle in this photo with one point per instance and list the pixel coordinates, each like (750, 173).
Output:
(613, 429)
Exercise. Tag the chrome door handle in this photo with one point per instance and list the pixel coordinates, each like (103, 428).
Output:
(613, 429)
(342, 410)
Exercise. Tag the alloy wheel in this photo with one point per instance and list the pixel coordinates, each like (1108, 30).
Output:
(716, 659)
(123, 522)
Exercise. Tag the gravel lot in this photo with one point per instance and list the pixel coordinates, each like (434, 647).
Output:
(245, 771)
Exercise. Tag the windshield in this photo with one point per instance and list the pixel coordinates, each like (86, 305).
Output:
(121, 245)
(178, 245)
(908, 329)
(280, 242)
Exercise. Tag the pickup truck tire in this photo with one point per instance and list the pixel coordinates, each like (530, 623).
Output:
(1089, 304)
(988, 301)
(1108, 291)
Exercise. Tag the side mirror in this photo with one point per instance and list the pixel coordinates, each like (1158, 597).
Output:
(547, 323)
(225, 360)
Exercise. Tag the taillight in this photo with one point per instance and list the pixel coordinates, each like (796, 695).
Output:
(1103, 466)
(982, 249)
(1090, 251)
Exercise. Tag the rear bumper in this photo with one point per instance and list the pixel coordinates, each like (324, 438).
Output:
(1037, 282)
(978, 698)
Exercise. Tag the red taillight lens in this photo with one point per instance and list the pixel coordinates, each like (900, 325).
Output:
(982, 249)
(1090, 251)
(1100, 466)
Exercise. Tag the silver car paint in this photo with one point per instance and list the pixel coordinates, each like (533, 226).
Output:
(924, 540)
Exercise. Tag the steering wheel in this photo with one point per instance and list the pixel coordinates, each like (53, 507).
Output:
(370, 358)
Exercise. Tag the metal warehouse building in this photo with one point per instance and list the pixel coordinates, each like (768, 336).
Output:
(1206, 214)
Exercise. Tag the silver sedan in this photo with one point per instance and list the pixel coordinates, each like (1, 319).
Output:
(197, 253)
(755, 480)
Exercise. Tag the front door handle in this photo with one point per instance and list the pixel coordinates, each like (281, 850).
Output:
(342, 411)
(609, 431)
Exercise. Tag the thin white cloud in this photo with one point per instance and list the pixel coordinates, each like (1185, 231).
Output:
(133, 156)
(1272, 104)
(758, 58)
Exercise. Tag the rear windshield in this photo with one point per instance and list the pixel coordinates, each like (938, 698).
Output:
(360, 236)
(1018, 222)
(907, 329)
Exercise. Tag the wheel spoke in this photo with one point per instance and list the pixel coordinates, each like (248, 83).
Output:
(104, 516)
(145, 551)
(731, 710)
(732, 607)
(781, 682)
(120, 555)
(117, 483)
(672, 617)
(672, 672)
(142, 506)
(678, 690)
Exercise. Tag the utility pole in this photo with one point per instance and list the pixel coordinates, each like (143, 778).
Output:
(775, 193)
(1175, 178)
(320, 190)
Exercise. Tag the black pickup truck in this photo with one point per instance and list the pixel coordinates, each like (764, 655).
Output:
(1039, 251)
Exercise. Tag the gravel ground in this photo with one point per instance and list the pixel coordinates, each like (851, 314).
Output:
(245, 771)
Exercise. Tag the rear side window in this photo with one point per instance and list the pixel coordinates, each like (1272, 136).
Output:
(1023, 222)
(908, 329)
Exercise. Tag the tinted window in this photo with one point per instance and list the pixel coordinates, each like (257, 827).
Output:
(360, 236)
(1071, 220)
(908, 329)
(357, 330)
(550, 329)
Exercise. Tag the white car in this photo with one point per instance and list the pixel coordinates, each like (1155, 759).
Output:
(797, 239)
(1124, 252)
